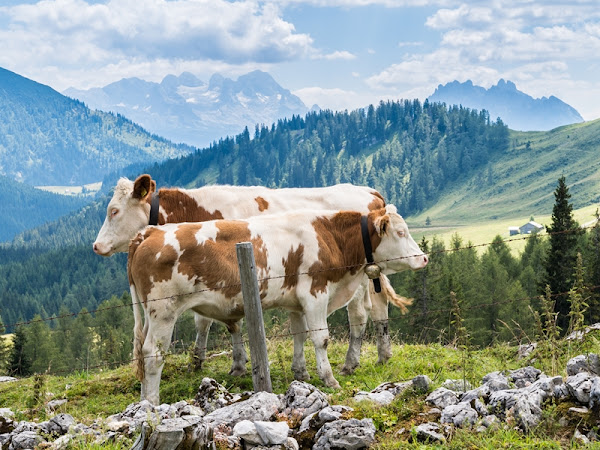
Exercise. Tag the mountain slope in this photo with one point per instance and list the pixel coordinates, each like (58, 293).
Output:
(517, 109)
(185, 109)
(522, 180)
(49, 139)
(24, 207)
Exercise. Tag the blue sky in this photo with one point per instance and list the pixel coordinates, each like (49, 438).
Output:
(340, 54)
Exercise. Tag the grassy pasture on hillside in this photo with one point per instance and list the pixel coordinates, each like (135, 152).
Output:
(520, 182)
(479, 233)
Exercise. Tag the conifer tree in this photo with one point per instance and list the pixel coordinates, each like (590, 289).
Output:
(4, 348)
(562, 254)
(19, 363)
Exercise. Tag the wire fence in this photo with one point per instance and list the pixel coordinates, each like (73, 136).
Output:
(178, 346)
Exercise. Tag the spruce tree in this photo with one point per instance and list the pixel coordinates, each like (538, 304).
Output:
(19, 363)
(562, 254)
(4, 347)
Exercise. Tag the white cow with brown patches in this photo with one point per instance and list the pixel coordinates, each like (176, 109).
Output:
(308, 262)
(129, 211)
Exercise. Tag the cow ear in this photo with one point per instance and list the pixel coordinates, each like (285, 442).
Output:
(143, 186)
(381, 224)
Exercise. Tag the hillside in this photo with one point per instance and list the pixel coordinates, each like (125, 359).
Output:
(186, 109)
(520, 182)
(24, 207)
(517, 109)
(49, 139)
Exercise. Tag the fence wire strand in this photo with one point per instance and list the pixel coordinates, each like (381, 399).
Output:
(280, 335)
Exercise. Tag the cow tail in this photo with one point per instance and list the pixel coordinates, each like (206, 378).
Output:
(390, 294)
(138, 336)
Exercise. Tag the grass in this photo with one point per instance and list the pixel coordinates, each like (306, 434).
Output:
(484, 232)
(522, 185)
(97, 395)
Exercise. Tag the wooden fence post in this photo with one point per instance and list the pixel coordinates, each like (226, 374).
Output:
(261, 375)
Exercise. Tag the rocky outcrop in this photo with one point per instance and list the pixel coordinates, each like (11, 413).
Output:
(302, 417)
(515, 398)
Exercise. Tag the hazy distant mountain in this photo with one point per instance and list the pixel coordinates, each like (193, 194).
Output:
(185, 109)
(49, 139)
(516, 109)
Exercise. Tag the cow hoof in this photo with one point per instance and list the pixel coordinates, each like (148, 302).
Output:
(348, 370)
(333, 384)
(302, 376)
(237, 371)
(196, 366)
(383, 359)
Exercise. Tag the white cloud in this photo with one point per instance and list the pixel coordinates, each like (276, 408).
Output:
(127, 33)
(344, 55)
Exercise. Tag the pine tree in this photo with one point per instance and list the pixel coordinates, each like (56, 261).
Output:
(19, 363)
(562, 254)
(4, 348)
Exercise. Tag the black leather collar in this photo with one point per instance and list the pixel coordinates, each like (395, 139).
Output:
(154, 206)
(364, 228)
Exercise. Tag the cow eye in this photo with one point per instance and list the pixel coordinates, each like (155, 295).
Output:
(401, 233)
(114, 212)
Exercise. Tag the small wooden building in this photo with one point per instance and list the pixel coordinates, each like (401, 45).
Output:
(531, 227)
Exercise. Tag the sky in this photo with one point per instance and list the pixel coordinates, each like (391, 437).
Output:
(339, 54)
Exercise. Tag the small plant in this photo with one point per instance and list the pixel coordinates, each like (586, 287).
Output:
(548, 333)
(461, 337)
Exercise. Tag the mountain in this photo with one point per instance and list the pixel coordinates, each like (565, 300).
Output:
(186, 109)
(24, 207)
(49, 139)
(516, 109)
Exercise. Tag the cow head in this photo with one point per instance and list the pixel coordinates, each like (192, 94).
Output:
(397, 250)
(128, 212)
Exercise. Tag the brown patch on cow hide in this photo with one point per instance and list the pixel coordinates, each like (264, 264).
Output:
(292, 266)
(263, 205)
(377, 203)
(180, 207)
(341, 248)
(214, 262)
(144, 267)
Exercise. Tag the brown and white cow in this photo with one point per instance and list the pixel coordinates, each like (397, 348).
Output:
(308, 262)
(129, 211)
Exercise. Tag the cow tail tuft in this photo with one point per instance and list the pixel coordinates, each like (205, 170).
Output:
(138, 336)
(390, 294)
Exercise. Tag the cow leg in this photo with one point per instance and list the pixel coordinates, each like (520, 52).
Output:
(379, 315)
(299, 333)
(240, 358)
(155, 346)
(202, 328)
(358, 313)
(316, 319)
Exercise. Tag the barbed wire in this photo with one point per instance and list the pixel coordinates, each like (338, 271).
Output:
(408, 316)
(314, 272)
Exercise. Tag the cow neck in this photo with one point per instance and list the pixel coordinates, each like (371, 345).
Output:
(366, 238)
(154, 207)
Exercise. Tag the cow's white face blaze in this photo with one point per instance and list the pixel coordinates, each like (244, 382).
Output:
(397, 251)
(126, 214)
